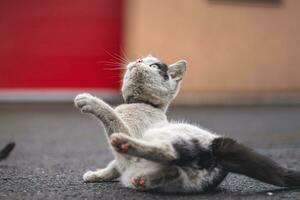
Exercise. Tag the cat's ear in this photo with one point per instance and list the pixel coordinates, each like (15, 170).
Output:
(177, 70)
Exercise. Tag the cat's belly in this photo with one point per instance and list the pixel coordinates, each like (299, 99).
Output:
(180, 132)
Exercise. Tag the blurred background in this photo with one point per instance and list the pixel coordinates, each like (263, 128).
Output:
(242, 81)
(239, 51)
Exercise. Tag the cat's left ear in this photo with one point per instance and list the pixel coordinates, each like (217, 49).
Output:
(177, 70)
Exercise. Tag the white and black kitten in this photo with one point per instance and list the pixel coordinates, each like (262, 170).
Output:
(153, 153)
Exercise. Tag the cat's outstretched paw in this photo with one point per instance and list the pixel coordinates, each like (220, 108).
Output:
(119, 142)
(89, 176)
(86, 103)
(139, 182)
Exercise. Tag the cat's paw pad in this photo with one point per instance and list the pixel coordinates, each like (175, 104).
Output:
(89, 176)
(139, 182)
(119, 142)
(85, 102)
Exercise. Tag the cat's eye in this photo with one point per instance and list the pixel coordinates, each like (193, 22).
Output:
(154, 66)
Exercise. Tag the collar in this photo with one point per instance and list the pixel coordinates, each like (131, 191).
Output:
(131, 100)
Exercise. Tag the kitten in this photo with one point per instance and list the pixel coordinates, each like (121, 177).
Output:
(152, 153)
(4, 153)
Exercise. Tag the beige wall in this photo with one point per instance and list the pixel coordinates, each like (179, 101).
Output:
(232, 48)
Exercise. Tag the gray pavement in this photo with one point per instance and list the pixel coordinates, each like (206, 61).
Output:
(55, 144)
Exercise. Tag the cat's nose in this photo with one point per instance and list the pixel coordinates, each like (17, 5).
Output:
(138, 60)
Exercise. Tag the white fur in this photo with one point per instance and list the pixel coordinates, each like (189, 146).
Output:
(146, 129)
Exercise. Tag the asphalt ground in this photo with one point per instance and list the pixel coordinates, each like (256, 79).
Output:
(55, 145)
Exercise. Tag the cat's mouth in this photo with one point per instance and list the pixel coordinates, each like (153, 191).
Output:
(139, 73)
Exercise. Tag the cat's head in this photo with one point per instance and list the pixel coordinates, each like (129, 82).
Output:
(148, 80)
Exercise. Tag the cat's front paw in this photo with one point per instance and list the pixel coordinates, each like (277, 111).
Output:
(89, 176)
(119, 142)
(86, 103)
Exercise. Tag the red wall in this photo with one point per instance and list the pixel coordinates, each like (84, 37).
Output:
(59, 43)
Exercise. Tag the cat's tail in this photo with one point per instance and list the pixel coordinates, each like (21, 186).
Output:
(4, 153)
(237, 158)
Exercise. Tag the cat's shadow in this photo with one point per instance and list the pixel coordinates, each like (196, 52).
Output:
(273, 191)
(224, 191)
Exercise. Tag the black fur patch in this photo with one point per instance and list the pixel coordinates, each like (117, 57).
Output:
(163, 70)
(191, 152)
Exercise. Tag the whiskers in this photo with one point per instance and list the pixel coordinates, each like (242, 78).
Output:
(112, 65)
(117, 62)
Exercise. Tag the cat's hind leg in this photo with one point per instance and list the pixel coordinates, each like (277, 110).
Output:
(176, 151)
(153, 179)
(106, 174)
(159, 152)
